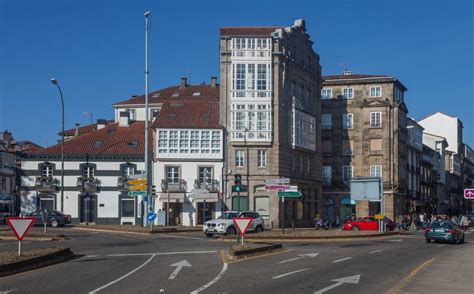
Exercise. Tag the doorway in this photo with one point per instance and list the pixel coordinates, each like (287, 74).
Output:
(209, 210)
(88, 208)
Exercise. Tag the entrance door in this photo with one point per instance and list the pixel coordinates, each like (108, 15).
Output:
(46, 202)
(210, 208)
(127, 210)
(88, 209)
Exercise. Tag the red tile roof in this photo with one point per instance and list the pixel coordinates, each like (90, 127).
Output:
(248, 31)
(83, 130)
(352, 77)
(189, 114)
(185, 93)
(115, 140)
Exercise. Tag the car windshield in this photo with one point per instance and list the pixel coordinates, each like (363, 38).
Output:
(228, 215)
(444, 225)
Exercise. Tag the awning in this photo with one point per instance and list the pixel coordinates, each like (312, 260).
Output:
(347, 201)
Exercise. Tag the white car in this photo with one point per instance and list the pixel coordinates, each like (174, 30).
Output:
(225, 226)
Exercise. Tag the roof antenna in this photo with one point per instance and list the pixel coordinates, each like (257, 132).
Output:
(89, 114)
(345, 72)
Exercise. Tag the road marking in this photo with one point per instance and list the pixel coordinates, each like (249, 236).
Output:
(8, 291)
(406, 280)
(180, 237)
(290, 273)
(91, 256)
(300, 256)
(122, 277)
(346, 280)
(179, 266)
(375, 251)
(161, 253)
(291, 259)
(441, 245)
(342, 259)
(396, 240)
(217, 278)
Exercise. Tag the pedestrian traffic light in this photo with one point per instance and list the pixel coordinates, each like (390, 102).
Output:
(153, 190)
(237, 179)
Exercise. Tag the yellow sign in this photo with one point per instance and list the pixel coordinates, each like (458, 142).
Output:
(137, 188)
(379, 216)
(137, 182)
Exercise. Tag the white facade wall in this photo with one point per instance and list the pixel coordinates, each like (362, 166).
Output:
(444, 126)
(139, 111)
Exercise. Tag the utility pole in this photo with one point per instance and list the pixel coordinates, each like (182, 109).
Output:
(146, 208)
(55, 82)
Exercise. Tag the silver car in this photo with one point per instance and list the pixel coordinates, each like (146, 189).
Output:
(224, 225)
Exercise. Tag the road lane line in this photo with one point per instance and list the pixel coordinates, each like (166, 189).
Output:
(161, 253)
(122, 277)
(180, 237)
(91, 256)
(396, 240)
(441, 245)
(375, 251)
(291, 259)
(217, 278)
(290, 273)
(342, 259)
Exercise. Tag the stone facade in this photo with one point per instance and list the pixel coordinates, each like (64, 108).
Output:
(364, 134)
(295, 72)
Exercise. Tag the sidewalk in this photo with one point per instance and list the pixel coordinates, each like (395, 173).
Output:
(449, 273)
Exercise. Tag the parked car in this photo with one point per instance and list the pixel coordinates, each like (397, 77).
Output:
(55, 218)
(367, 224)
(444, 231)
(224, 225)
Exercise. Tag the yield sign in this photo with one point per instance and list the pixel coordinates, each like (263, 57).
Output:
(242, 224)
(20, 225)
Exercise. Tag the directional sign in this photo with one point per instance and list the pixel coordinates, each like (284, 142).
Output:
(280, 181)
(300, 256)
(20, 225)
(469, 193)
(242, 224)
(137, 193)
(137, 182)
(346, 280)
(179, 266)
(276, 187)
(293, 188)
(151, 216)
(137, 188)
(289, 194)
(379, 217)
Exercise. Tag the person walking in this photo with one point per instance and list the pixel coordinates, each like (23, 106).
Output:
(464, 223)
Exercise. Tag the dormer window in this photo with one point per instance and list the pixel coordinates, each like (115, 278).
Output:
(176, 94)
(98, 144)
(155, 95)
(196, 93)
(133, 144)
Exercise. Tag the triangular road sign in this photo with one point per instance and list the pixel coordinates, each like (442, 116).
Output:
(242, 224)
(20, 225)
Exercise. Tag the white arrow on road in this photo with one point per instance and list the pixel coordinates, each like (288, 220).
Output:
(346, 280)
(179, 266)
(300, 257)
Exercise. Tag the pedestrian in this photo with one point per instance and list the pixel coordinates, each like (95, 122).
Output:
(338, 221)
(464, 223)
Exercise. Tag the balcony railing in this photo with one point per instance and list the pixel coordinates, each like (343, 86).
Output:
(211, 186)
(122, 184)
(175, 186)
(47, 184)
(88, 184)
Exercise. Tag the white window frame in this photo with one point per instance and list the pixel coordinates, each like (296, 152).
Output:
(350, 91)
(47, 170)
(189, 143)
(261, 158)
(376, 170)
(347, 173)
(375, 119)
(88, 171)
(377, 91)
(173, 170)
(325, 92)
(326, 121)
(327, 175)
(348, 121)
(239, 158)
(251, 122)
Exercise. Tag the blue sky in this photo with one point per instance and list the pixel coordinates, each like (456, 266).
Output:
(95, 49)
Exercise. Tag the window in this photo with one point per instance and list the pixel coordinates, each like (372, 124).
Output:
(132, 144)
(133, 115)
(347, 121)
(257, 119)
(172, 174)
(261, 77)
(155, 112)
(326, 93)
(398, 94)
(326, 121)
(173, 142)
(327, 175)
(239, 76)
(375, 119)
(88, 171)
(162, 141)
(347, 93)
(205, 175)
(347, 147)
(128, 170)
(196, 93)
(376, 91)
(262, 205)
(376, 171)
(128, 207)
(261, 158)
(46, 170)
(346, 173)
(239, 158)
(98, 144)
(176, 94)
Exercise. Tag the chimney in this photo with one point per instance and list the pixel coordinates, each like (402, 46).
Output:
(124, 119)
(76, 133)
(213, 82)
(184, 83)
(346, 72)
(6, 137)
(101, 123)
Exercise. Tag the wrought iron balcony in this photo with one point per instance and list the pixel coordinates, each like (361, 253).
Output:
(173, 186)
(47, 184)
(212, 186)
(122, 184)
(88, 184)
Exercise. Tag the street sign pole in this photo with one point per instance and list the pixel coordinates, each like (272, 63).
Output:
(19, 248)
(283, 215)
(238, 212)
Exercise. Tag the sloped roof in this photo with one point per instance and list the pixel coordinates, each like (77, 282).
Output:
(184, 93)
(248, 31)
(111, 139)
(189, 114)
(352, 77)
(84, 129)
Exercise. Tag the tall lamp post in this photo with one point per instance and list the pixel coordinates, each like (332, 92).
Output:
(148, 206)
(55, 82)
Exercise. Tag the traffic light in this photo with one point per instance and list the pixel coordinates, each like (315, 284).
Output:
(153, 191)
(237, 183)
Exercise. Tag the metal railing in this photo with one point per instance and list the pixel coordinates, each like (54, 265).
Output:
(47, 184)
(211, 186)
(88, 184)
(122, 183)
(173, 186)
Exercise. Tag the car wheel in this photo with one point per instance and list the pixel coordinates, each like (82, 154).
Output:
(54, 223)
(230, 231)
(355, 228)
(209, 235)
(258, 229)
(428, 240)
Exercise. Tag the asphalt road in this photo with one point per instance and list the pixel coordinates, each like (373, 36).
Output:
(111, 263)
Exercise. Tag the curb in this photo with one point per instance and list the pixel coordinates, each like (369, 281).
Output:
(250, 251)
(133, 232)
(37, 262)
(311, 238)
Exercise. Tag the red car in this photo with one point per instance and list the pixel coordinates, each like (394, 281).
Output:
(367, 224)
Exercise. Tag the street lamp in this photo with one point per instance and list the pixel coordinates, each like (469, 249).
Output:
(149, 207)
(55, 82)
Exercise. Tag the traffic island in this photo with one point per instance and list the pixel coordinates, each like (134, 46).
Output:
(137, 230)
(35, 234)
(238, 252)
(11, 263)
